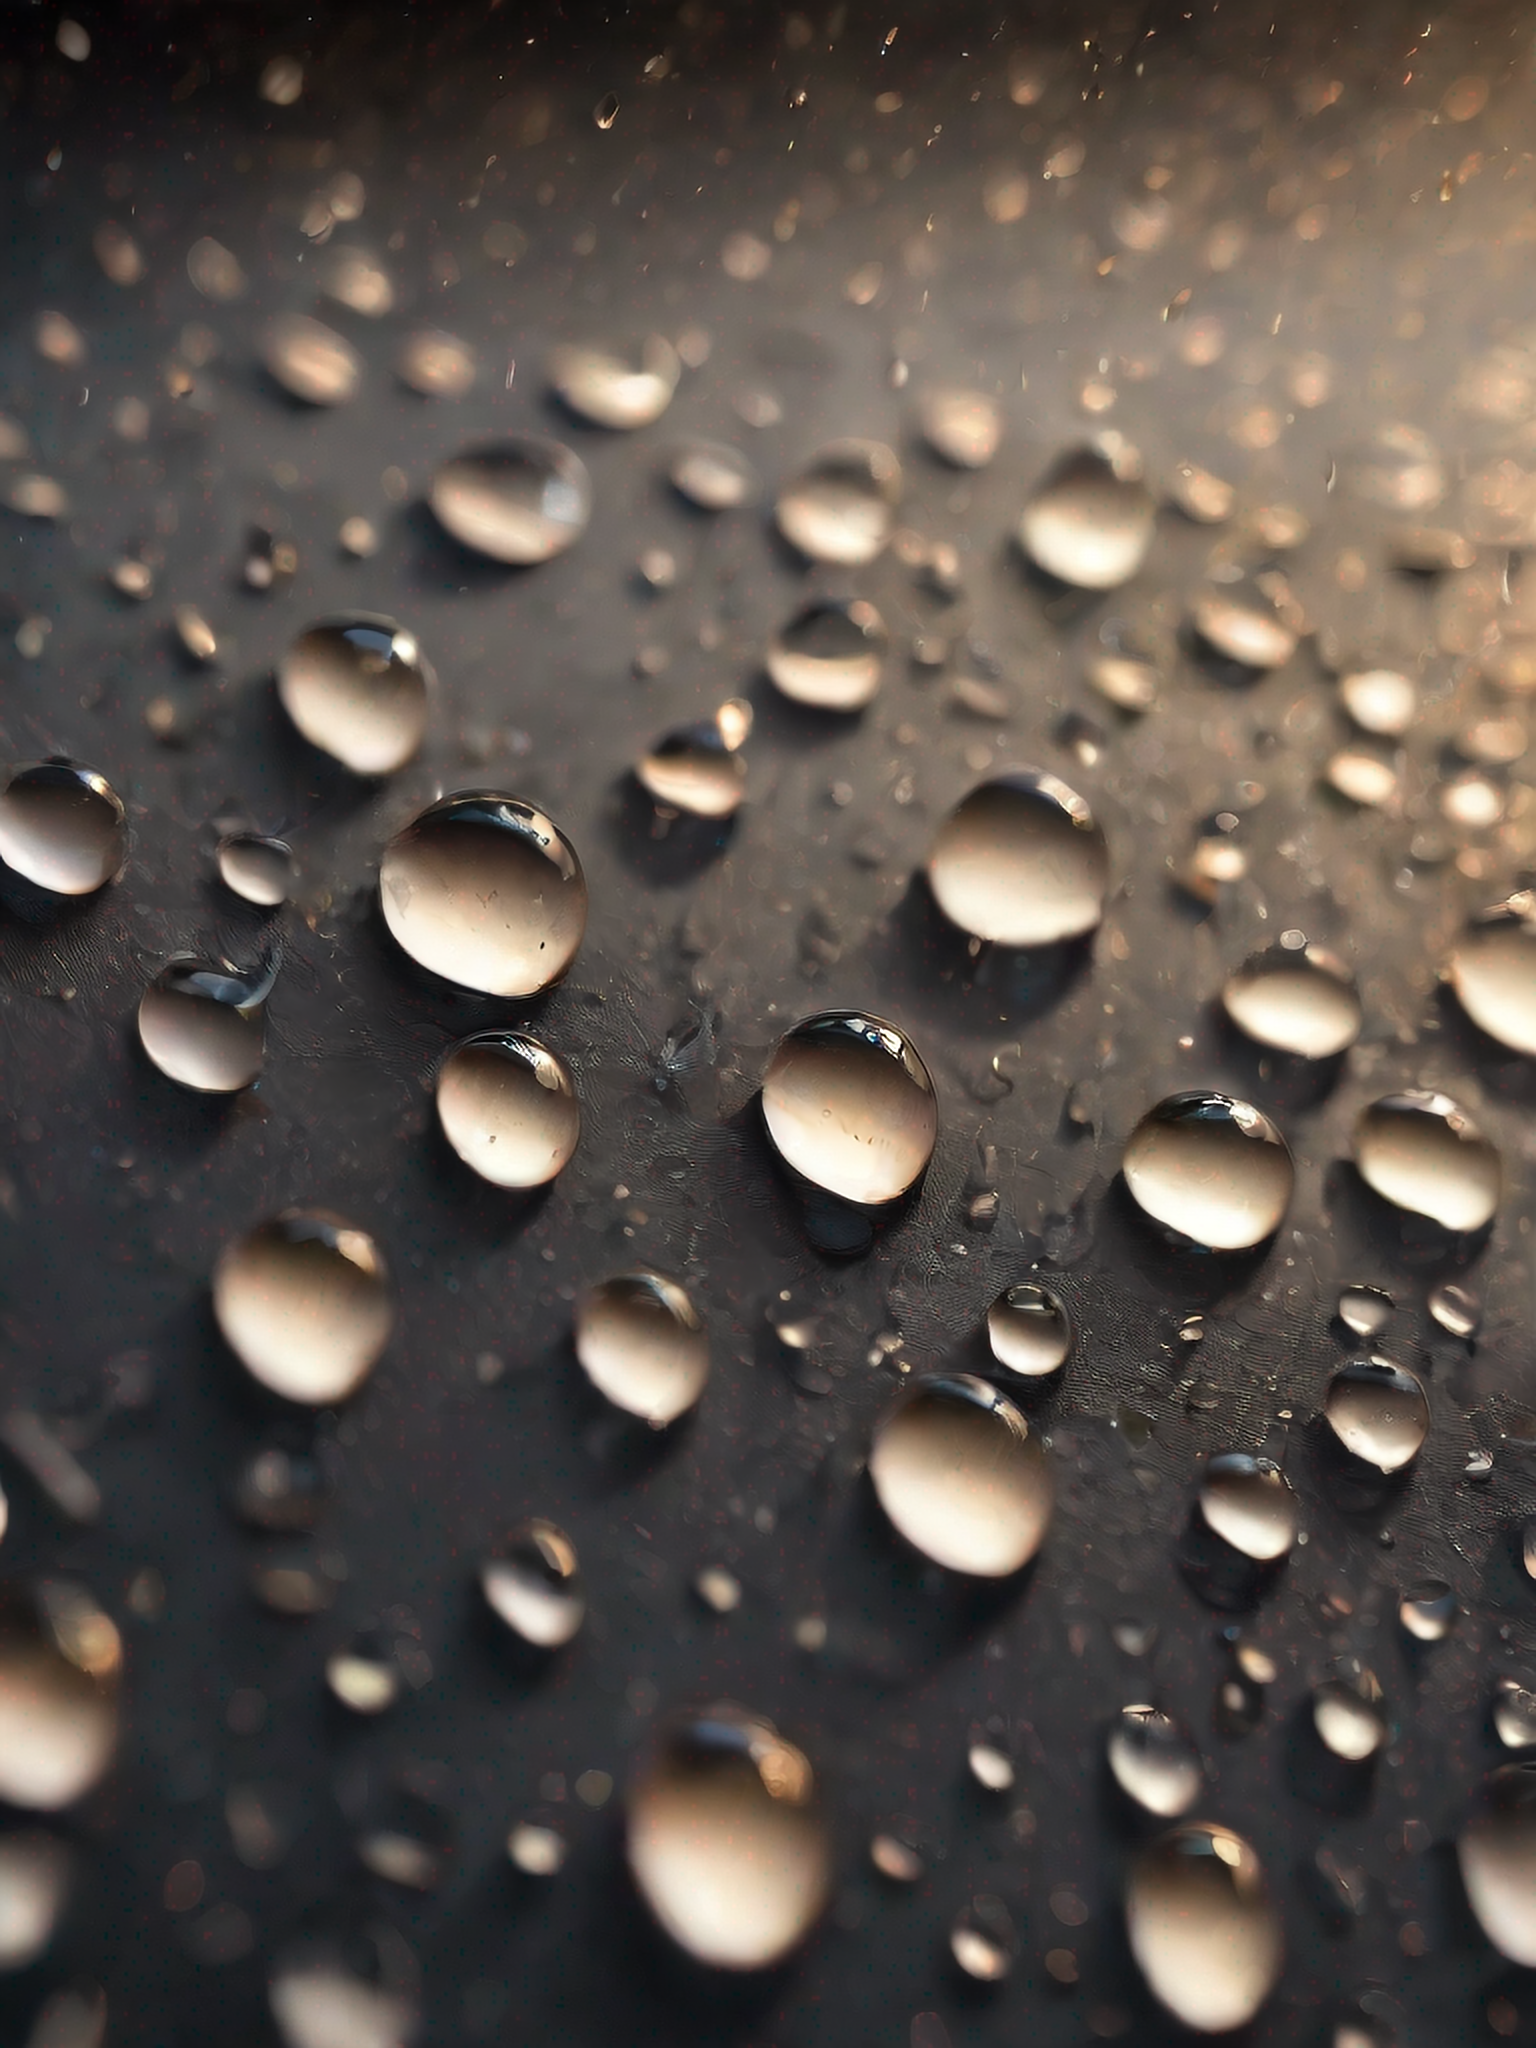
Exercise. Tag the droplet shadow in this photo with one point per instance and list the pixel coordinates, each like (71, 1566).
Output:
(665, 847)
(1278, 1080)
(1223, 1577)
(1332, 1784)
(1396, 1235)
(1191, 1278)
(928, 963)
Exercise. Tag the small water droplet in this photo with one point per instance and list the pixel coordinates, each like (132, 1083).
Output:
(1203, 1927)
(60, 1662)
(309, 360)
(536, 1851)
(1021, 861)
(1514, 1714)
(1212, 1168)
(1154, 1761)
(1492, 969)
(642, 1344)
(120, 257)
(1089, 523)
(204, 1024)
(697, 768)
(606, 112)
(62, 826)
(436, 364)
(508, 1107)
(982, 1939)
(319, 2000)
(850, 1107)
(964, 428)
(354, 279)
(304, 1303)
(962, 1476)
(1244, 627)
(1399, 468)
(257, 869)
(194, 633)
(719, 1589)
(623, 387)
(280, 1490)
(520, 501)
(713, 476)
(1200, 495)
(1421, 1152)
(1427, 1610)
(364, 1681)
(34, 1885)
(1300, 1002)
(358, 688)
(1348, 1714)
(1130, 685)
(830, 654)
(282, 81)
(1364, 1311)
(1497, 1852)
(895, 1859)
(842, 506)
(1248, 1502)
(1378, 1411)
(1457, 1311)
(1380, 701)
(533, 1583)
(1029, 1330)
(991, 1767)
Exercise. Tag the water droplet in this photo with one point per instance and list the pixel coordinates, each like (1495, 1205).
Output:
(1427, 1610)
(1378, 1411)
(1021, 861)
(849, 1106)
(1365, 1310)
(519, 501)
(436, 364)
(982, 1939)
(1380, 701)
(1200, 495)
(62, 826)
(698, 768)
(282, 81)
(280, 1490)
(358, 689)
(1128, 684)
(1246, 629)
(259, 870)
(534, 1584)
(319, 2001)
(486, 891)
(121, 258)
(311, 361)
(1248, 1502)
(536, 1851)
(895, 1859)
(1455, 1310)
(1492, 968)
(830, 654)
(34, 1882)
(1514, 1714)
(352, 278)
(60, 1662)
(194, 633)
(990, 1766)
(204, 1024)
(1348, 1714)
(1089, 524)
(1155, 1762)
(508, 1108)
(964, 428)
(962, 1476)
(842, 506)
(606, 112)
(1029, 1330)
(726, 1840)
(719, 1589)
(364, 1684)
(713, 476)
(1212, 1168)
(623, 387)
(58, 340)
(1203, 1927)
(1422, 1152)
(304, 1303)
(642, 1344)
(1300, 1002)
(1497, 1851)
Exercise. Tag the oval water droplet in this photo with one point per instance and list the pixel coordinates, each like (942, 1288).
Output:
(204, 1024)
(319, 2001)
(34, 1884)
(1492, 969)
(1088, 524)
(304, 1303)
(436, 364)
(1212, 1168)
(713, 476)
(964, 428)
(354, 279)
(1420, 1151)
(982, 1939)
(364, 1681)
(60, 1666)
(1203, 1927)
(1155, 1761)
(642, 1344)
(536, 1851)
(1248, 1503)
(1427, 1610)
(62, 826)
(1378, 1411)
(842, 506)
(520, 501)
(508, 1107)
(1348, 1714)
(1457, 1311)
(850, 1107)
(358, 689)
(486, 891)
(698, 768)
(961, 1475)
(624, 387)
(1514, 1714)
(1365, 1311)
(534, 1584)
(311, 361)
(1029, 1330)
(1243, 627)
(260, 870)
(1379, 700)
(1301, 1002)
(830, 655)
(726, 1839)
(1021, 861)
(1497, 1852)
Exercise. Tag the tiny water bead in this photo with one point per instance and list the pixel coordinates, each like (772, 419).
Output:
(830, 655)
(1021, 861)
(358, 688)
(435, 364)
(304, 1303)
(1090, 523)
(1348, 1714)
(1029, 1330)
(1211, 1168)
(1497, 1853)
(204, 1024)
(1421, 1152)
(62, 826)
(258, 869)
(726, 1839)
(1492, 969)
(1302, 1002)
(713, 476)
(698, 768)
(1378, 1411)
(1154, 1761)
(841, 507)
(508, 1107)
(849, 1106)
(486, 891)
(982, 1939)
(60, 1668)
(309, 360)
(962, 1476)
(536, 1851)
(1428, 1610)
(642, 1344)
(533, 1584)
(520, 501)
(622, 388)
(963, 428)
(35, 1873)
(1203, 1927)
(1248, 1502)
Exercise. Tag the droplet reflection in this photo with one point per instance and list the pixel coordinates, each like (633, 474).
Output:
(508, 1107)
(519, 501)
(258, 869)
(304, 1304)
(842, 506)
(1421, 1152)
(1155, 1761)
(534, 1584)
(613, 388)
(1378, 1411)
(1248, 1502)
(62, 826)
(641, 1343)
(850, 1107)
(1212, 1168)
(1088, 524)
(962, 1476)
(357, 688)
(204, 1025)
(1303, 1003)
(1029, 1330)
(1021, 862)
(830, 655)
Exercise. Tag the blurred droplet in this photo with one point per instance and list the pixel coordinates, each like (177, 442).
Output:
(215, 272)
(1378, 1411)
(1492, 969)
(1128, 684)
(1421, 1152)
(1154, 1761)
(1427, 1610)
(962, 1476)
(1380, 701)
(1514, 1714)
(508, 1107)
(1087, 524)
(641, 1343)
(364, 1684)
(60, 1665)
(1497, 1852)
(309, 360)
(282, 81)
(698, 768)
(713, 476)
(1203, 1927)
(1348, 1715)
(1301, 1002)
(533, 1583)
(620, 387)
(895, 1859)
(1029, 1330)
(990, 1767)
(830, 655)
(1398, 469)
(320, 2001)
(1248, 1502)
(1212, 1168)
(719, 1589)
(35, 1873)
(1245, 629)
(849, 1106)
(982, 1939)
(304, 1303)
(260, 870)
(537, 1851)
(62, 826)
(963, 427)
(120, 257)
(842, 506)
(204, 1024)
(1021, 861)
(606, 112)
(352, 278)
(1458, 1312)
(358, 688)
(436, 364)
(1199, 495)
(519, 501)
(58, 340)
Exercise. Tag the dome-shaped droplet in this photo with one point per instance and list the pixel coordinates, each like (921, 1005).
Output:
(850, 1106)
(1492, 968)
(1497, 1852)
(1514, 1714)
(1203, 1927)
(1348, 1714)
(1364, 1311)
(964, 428)
(508, 1107)
(536, 1851)
(1021, 862)
(204, 1024)
(34, 1883)
(357, 688)
(1088, 524)
(351, 277)
(698, 768)
(1379, 700)
(436, 364)
(842, 506)
(1248, 1503)
(726, 1840)
(982, 1939)
(1303, 1002)
(534, 1584)
(713, 476)
(962, 1476)
(621, 387)
(642, 1344)
(304, 1304)
(1213, 1169)
(1029, 1330)
(260, 870)
(1422, 1152)
(520, 501)
(363, 1678)
(1244, 627)
(60, 1666)
(319, 2000)
(830, 655)
(1155, 1761)
(310, 360)
(1378, 1411)
(1427, 1610)
(486, 891)
(1458, 1312)
(62, 826)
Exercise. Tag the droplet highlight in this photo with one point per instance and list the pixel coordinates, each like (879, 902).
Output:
(962, 1476)
(1021, 861)
(358, 688)
(849, 1106)
(1211, 1168)
(304, 1303)
(508, 1107)
(1203, 1927)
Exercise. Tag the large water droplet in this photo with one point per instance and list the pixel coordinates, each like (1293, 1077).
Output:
(713, 476)
(962, 1476)
(842, 506)
(259, 869)
(1214, 1169)
(1378, 1411)
(357, 688)
(1155, 1762)
(830, 654)
(62, 826)
(1348, 1714)
(850, 1107)
(1492, 968)
(34, 1881)
(304, 1304)
(520, 501)
(1514, 1714)
(698, 768)
(726, 1841)
(1422, 1152)
(204, 1024)
(508, 1108)
(1029, 1330)
(1497, 1851)
(963, 427)
(1203, 1927)
(486, 891)
(1302, 1002)
(1088, 524)
(60, 1664)
(642, 1344)
(1021, 861)
(1427, 1610)
(310, 360)
(616, 387)
(1248, 1502)
(534, 1584)
(319, 2001)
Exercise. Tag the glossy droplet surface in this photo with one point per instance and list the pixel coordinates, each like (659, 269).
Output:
(621, 388)
(486, 891)
(1154, 1761)
(726, 1840)
(304, 1303)
(1348, 1715)
(1378, 1411)
(1459, 1313)
(1203, 1927)
(60, 1665)
(830, 655)
(842, 506)
(1364, 1310)
(1088, 525)
(62, 826)
(1212, 1168)
(1248, 1503)
(642, 1344)
(1514, 1714)
(1029, 1330)
(1021, 862)
(34, 1881)
(1303, 1002)
(358, 688)
(1427, 1610)
(259, 870)
(1497, 1852)
(436, 364)
(698, 768)
(534, 1585)
(520, 501)
(849, 1105)
(713, 476)
(1492, 968)
(508, 1107)
(1422, 1152)
(310, 360)
(1245, 629)
(962, 427)
(961, 1475)
(204, 1024)
(322, 2004)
